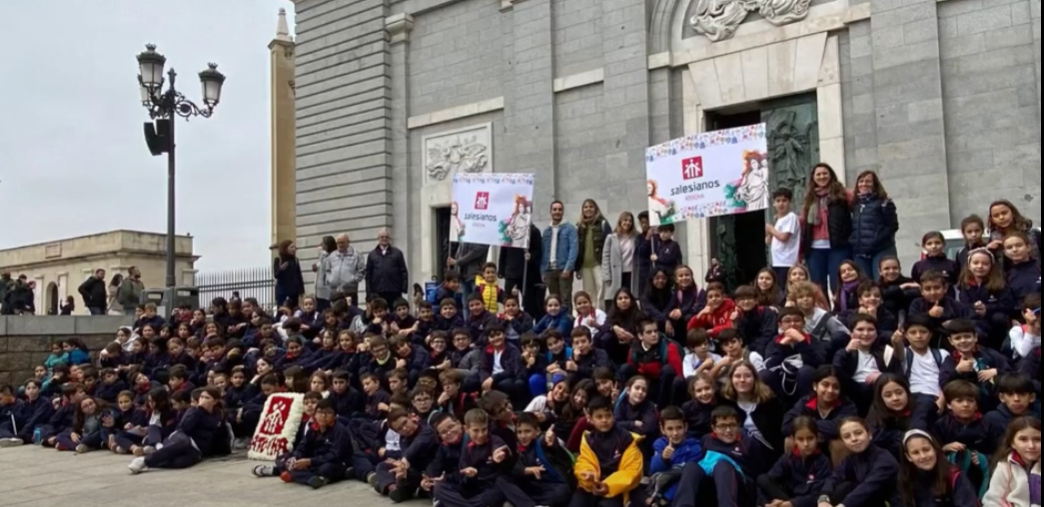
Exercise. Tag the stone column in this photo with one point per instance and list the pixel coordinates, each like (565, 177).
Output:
(399, 27)
(284, 213)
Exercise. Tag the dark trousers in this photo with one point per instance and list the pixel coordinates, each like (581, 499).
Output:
(726, 483)
(770, 490)
(126, 440)
(386, 479)
(332, 472)
(516, 389)
(582, 498)
(65, 442)
(390, 297)
(454, 495)
(532, 494)
(176, 454)
(363, 465)
(96, 310)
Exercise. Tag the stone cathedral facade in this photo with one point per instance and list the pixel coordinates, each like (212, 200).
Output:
(940, 97)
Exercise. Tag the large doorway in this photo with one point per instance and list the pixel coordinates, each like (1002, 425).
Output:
(442, 241)
(52, 299)
(738, 241)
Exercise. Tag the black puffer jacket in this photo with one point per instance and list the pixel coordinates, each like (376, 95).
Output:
(874, 224)
(839, 224)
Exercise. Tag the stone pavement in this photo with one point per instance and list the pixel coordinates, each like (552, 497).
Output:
(35, 477)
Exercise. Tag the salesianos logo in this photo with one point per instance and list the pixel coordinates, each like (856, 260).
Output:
(482, 200)
(692, 168)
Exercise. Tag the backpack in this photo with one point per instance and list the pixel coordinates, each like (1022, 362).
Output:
(908, 365)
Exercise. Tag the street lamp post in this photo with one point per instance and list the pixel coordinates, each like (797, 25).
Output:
(163, 107)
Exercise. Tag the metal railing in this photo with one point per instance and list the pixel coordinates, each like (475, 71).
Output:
(245, 283)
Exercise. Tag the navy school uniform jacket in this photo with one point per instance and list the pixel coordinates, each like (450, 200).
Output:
(690, 302)
(874, 473)
(448, 325)
(517, 326)
(668, 255)
(948, 267)
(627, 416)
(595, 358)
(739, 452)
(975, 434)
(237, 397)
(656, 304)
(460, 404)
(62, 419)
(135, 416)
(367, 363)
(997, 421)
(1031, 368)
(33, 415)
(204, 428)
(560, 358)
(373, 401)
(757, 328)
(424, 329)
(985, 359)
(1024, 279)
(330, 447)
(348, 403)
(9, 418)
(320, 359)
(480, 458)
(961, 494)
(109, 392)
(563, 322)
(827, 425)
(446, 462)
(804, 478)
(478, 324)
(896, 299)
(418, 360)
(811, 353)
(538, 367)
(287, 360)
(888, 435)
(698, 417)
(510, 361)
(420, 449)
(1001, 303)
(557, 463)
(951, 310)
(314, 322)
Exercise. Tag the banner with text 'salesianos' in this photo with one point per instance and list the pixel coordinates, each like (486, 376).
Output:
(492, 209)
(708, 175)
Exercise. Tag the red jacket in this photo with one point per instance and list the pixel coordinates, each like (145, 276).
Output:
(650, 363)
(717, 321)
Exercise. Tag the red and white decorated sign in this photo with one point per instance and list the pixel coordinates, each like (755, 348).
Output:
(278, 426)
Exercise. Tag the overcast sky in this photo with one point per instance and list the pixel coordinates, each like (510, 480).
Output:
(73, 159)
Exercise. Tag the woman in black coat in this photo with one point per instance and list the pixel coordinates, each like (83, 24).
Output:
(289, 282)
(874, 224)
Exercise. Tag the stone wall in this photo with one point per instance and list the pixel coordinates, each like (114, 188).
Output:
(25, 342)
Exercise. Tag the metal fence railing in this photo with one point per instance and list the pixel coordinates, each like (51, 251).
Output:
(245, 283)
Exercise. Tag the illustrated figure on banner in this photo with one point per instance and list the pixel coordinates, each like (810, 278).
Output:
(658, 206)
(456, 231)
(516, 229)
(753, 186)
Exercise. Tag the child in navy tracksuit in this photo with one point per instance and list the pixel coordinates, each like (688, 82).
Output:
(400, 478)
(483, 459)
(938, 305)
(320, 457)
(866, 477)
(502, 367)
(756, 324)
(62, 418)
(792, 358)
(964, 435)
(798, 477)
(935, 260)
(863, 360)
(637, 414)
(36, 410)
(1023, 271)
(444, 468)
(983, 289)
(725, 467)
(671, 454)
(826, 407)
(979, 366)
(11, 410)
(542, 473)
(1017, 396)
(110, 387)
(698, 410)
(198, 436)
(921, 467)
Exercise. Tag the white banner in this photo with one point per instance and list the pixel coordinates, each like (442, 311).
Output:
(707, 175)
(492, 209)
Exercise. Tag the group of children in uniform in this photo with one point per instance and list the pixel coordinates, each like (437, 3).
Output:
(898, 392)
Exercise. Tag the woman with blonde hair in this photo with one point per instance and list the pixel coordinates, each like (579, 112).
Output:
(591, 231)
(619, 259)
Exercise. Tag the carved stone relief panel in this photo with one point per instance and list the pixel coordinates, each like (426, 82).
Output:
(719, 19)
(467, 150)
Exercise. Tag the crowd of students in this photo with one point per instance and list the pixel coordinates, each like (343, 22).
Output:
(883, 390)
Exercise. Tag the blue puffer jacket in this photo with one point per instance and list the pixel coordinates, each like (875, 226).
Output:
(874, 224)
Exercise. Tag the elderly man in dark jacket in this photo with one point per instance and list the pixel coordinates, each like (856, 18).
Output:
(95, 296)
(387, 276)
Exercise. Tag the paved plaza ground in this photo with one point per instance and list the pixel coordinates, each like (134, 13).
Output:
(35, 477)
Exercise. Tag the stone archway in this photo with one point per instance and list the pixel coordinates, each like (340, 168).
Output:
(51, 302)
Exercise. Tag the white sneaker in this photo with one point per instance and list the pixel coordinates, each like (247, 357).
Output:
(148, 449)
(137, 466)
(10, 442)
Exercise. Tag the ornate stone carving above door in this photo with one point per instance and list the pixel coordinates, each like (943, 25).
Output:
(466, 150)
(719, 19)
